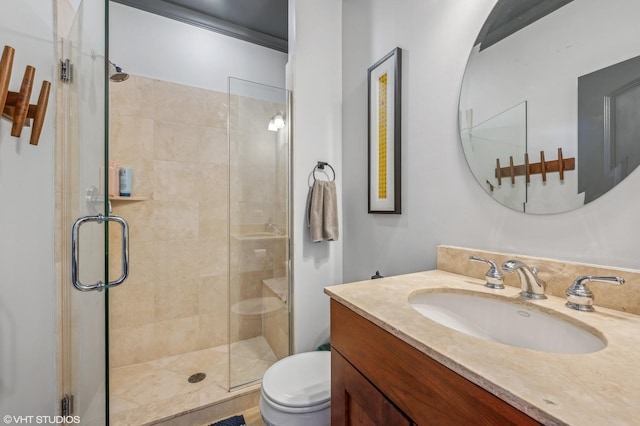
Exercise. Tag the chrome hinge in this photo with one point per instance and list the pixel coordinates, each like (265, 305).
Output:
(66, 405)
(66, 71)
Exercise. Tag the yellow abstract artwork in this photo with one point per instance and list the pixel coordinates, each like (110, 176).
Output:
(382, 136)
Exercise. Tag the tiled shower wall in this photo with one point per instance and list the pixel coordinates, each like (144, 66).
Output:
(259, 171)
(174, 139)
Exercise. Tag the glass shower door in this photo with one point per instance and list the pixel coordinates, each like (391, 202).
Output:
(259, 229)
(84, 381)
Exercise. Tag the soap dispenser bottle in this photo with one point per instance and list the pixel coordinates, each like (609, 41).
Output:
(125, 181)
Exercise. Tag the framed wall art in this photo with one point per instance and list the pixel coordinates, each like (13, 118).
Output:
(384, 134)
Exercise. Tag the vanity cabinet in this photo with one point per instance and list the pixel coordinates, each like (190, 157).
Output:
(360, 402)
(377, 379)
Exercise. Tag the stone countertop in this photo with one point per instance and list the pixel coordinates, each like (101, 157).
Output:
(578, 389)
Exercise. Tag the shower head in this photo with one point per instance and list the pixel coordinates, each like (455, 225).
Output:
(116, 74)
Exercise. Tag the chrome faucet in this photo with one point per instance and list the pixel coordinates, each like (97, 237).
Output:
(532, 286)
(579, 297)
(494, 277)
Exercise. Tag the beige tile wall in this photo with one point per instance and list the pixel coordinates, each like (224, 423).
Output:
(253, 261)
(276, 321)
(174, 139)
(259, 164)
(259, 168)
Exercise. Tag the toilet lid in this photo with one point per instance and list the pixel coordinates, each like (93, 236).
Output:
(301, 380)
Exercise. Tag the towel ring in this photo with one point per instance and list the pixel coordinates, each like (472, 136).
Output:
(320, 166)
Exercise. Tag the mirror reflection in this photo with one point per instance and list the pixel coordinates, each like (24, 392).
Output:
(549, 108)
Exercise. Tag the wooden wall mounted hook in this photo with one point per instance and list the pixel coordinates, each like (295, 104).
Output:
(6, 64)
(512, 171)
(38, 111)
(543, 167)
(22, 102)
(15, 106)
(560, 164)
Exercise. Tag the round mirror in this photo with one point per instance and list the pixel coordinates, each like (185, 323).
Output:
(549, 109)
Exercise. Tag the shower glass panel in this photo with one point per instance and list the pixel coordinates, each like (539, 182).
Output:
(83, 155)
(259, 152)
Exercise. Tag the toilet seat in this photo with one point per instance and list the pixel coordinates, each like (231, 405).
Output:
(299, 383)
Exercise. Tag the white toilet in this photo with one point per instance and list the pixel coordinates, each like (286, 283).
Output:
(297, 391)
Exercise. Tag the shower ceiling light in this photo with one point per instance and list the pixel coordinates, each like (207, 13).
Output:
(276, 122)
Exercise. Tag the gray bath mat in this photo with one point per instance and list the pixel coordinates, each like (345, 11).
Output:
(231, 421)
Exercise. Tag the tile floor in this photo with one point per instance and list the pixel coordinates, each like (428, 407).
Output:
(159, 389)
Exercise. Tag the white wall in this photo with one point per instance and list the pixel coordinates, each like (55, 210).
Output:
(315, 77)
(156, 47)
(27, 280)
(442, 202)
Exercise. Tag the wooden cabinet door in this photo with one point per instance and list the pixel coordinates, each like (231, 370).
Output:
(356, 402)
(421, 388)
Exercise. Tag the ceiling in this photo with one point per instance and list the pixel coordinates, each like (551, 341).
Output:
(263, 22)
(510, 16)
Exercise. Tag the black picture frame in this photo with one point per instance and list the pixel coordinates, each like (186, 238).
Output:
(384, 134)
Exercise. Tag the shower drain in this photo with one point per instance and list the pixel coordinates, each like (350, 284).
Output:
(198, 377)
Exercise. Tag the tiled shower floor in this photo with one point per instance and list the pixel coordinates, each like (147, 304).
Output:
(158, 389)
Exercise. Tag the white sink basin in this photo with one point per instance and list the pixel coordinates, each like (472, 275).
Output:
(506, 321)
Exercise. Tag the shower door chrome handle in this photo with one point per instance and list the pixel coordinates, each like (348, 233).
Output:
(75, 252)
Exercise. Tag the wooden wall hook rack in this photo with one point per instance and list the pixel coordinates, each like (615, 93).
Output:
(15, 106)
(527, 169)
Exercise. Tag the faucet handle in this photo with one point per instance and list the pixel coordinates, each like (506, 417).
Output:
(580, 298)
(494, 277)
